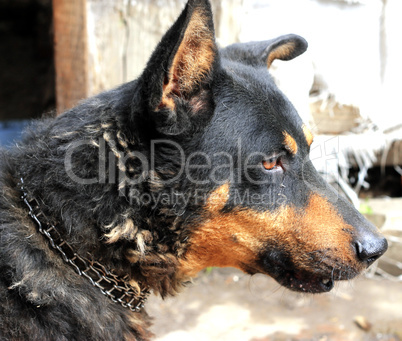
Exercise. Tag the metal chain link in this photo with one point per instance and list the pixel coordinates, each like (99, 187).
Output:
(117, 289)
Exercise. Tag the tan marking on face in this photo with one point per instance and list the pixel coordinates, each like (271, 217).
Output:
(236, 239)
(218, 198)
(308, 135)
(290, 143)
(281, 52)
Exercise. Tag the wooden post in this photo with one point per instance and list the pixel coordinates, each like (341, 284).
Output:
(71, 52)
(100, 44)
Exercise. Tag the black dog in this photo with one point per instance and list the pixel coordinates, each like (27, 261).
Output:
(199, 162)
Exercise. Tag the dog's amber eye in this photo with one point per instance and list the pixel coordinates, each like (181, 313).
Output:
(270, 163)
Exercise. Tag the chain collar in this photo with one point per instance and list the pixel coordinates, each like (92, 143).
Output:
(117, 289)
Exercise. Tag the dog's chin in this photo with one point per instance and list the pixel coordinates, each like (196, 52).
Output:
(304, 282)
(312, 282)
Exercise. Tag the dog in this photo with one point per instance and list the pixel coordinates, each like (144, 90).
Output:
(199, 162)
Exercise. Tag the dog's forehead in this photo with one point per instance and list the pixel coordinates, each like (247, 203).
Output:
(251, 104)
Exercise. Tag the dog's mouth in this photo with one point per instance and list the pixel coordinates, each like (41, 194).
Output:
(318, 278)
(300, 281)
(304, 282)
(309, 282)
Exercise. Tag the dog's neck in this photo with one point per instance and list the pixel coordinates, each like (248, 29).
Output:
(98, 217)
(118, 289)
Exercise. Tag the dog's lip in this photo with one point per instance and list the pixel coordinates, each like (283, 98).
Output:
(298, 281)
(312, 282)
(305, 282)
(308, 283)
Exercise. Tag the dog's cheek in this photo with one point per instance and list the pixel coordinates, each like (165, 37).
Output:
(220, 242)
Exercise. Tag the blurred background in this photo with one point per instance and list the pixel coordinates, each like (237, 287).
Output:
(346, 87)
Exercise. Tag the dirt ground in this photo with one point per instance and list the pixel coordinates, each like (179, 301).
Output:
(227, 305)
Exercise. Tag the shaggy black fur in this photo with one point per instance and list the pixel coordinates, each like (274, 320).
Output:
(108, 174)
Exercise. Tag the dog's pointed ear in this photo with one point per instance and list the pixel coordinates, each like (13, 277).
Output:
(259, 53)
(182, 64)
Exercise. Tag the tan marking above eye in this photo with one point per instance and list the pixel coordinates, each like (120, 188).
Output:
(308, 135)
(290, 143)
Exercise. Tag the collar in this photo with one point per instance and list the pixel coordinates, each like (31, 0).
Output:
(118, 289)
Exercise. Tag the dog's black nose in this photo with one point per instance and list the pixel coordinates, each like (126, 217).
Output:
(370, 247)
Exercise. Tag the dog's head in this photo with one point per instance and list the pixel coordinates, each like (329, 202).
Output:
(227, 139)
